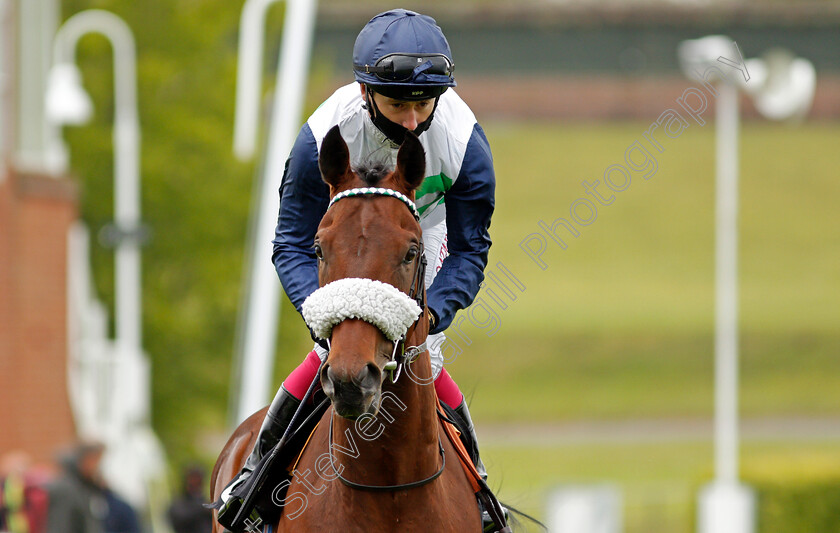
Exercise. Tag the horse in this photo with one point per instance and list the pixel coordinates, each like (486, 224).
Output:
(378, 460)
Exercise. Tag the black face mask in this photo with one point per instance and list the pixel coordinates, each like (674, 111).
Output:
(393, 131)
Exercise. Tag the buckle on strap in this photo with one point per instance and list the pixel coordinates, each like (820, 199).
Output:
(395, 365)
(412, 353)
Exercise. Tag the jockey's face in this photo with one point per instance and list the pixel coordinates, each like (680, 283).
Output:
(407, 114)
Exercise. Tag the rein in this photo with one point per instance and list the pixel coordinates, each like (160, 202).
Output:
(383, 488)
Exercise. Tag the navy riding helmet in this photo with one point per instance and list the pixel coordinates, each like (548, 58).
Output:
(404, 55)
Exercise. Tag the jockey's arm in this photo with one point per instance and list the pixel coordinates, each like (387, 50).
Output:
(469, 207)
(304, 198)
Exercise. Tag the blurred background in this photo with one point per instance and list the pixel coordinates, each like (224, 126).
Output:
(593, 377)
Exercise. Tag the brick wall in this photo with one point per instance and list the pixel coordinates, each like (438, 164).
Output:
(35, 214)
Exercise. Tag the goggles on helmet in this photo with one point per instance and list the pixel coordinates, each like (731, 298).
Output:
(400, 67)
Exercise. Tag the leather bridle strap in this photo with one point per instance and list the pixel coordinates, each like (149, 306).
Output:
(418, 294)
(417, 284)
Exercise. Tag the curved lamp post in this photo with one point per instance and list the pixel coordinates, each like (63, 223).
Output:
(68, 103)
(135, 462)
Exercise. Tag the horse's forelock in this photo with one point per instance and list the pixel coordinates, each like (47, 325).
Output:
(373, 173)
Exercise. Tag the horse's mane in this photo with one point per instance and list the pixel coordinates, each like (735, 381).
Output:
(373, 172)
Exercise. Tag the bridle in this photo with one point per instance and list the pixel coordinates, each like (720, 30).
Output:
(400, 356)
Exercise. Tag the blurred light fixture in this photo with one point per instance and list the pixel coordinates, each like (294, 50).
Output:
(782, 85)
(697, 55)
(67, 101)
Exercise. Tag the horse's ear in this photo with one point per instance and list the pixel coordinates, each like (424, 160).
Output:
(334, 159)
(411, 161)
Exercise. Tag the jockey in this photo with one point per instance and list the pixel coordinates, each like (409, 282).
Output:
(404, 69)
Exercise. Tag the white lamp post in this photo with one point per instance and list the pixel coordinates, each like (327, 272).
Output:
(258, 321)
(68, 103)
(782, 88)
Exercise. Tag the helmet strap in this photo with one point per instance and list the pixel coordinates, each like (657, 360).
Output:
(393, 131)
(423, 126)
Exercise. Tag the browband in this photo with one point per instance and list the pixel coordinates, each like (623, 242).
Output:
(377, 191)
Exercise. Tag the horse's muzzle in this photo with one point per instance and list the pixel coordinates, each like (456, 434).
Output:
(352, 396)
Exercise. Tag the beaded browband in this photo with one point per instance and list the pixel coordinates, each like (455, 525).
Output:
(377, 191)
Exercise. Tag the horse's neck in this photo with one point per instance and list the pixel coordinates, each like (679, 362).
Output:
(400, 444)
(416, 413)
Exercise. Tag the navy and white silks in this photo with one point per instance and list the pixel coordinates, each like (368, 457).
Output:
(455, 200)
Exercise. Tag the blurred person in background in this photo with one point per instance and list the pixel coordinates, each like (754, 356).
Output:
(77, 503)
(187, 513)
(120, 516)
(23, 498)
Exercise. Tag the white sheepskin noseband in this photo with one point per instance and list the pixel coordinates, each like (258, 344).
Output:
(381, 304)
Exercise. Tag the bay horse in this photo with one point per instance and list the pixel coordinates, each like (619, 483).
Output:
(378, 461)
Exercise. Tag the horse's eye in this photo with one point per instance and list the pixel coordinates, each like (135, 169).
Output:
(411, 255)
(319, 252)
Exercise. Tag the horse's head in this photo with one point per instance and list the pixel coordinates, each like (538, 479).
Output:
(369, 255)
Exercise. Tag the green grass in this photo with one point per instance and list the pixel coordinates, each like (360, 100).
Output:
(621, 323)
(643, 375)
(647, 260)
(658, 482)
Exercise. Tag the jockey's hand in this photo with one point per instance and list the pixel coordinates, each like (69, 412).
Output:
(321, 342)
(432, 320)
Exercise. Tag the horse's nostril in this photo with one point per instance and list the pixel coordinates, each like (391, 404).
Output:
(369, 378)
(328, 380)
